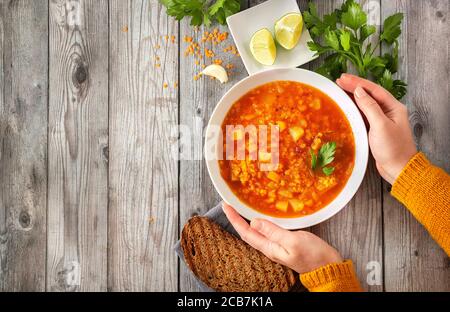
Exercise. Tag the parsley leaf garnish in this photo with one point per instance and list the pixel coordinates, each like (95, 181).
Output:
(317, 26)
(391, 28)
(366, 31)
(326, 153)
(341, 36)
(331, 39)
(324, 158)
(345, 38)
(396, 87)
(202, 11)
(354, 17)
(328, 170)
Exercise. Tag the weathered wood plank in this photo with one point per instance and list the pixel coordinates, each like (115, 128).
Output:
(23, 144)
(143, 193)
(413, 261)
(197, 101)
(78, 139)
(356, 232)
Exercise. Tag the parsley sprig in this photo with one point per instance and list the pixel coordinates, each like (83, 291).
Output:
(324, 158)
(341, 36)
(202, 11)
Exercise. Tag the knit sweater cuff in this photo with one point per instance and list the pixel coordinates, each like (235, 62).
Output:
(424, 190)
(335, 277)
(412, 172)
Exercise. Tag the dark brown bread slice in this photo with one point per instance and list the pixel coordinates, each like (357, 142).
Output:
(226, 263)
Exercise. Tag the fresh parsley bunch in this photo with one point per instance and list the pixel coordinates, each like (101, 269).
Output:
(202, 11)
(341, 35)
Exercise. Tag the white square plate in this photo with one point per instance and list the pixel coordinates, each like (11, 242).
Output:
(244, 24)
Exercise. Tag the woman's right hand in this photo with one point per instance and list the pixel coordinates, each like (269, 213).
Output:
(390, 137)
(300, 250)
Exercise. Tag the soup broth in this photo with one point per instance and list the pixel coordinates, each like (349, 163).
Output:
(309, 173)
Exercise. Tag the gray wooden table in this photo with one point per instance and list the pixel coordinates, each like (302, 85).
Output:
(90, 197)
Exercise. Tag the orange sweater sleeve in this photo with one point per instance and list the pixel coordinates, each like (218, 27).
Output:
(425, 190)
(335, 277)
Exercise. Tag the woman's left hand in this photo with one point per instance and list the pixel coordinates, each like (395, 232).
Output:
(301, 251)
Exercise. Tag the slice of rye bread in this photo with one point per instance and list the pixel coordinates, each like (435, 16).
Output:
(226, 263)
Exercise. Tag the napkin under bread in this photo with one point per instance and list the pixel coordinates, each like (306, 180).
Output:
(216, 214)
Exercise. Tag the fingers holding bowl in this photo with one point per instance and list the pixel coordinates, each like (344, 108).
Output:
(254, 238)
(274, 233)
(351, 82)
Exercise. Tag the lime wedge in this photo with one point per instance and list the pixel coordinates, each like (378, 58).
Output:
(288, 30)
(263, 47)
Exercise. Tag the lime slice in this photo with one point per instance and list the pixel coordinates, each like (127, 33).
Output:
(217, 72)
(263, 47)
(288, 30)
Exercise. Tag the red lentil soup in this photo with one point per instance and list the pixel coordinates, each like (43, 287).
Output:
(308, 122)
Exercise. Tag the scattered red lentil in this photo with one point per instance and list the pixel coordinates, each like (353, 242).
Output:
(198, 51)
(125, 28)
(209, 53)
(165, 85)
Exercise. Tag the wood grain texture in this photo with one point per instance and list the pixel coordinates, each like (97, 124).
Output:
(413, 261)
(23, 144)
(143, 175)
(356, 231)
(78, 138)
(197, 102)
(92, 196)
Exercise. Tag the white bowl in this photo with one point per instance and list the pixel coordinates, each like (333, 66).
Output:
(213, 141)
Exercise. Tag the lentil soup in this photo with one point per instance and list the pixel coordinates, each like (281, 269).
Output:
(316, 150)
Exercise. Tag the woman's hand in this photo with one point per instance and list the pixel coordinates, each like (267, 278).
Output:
(390, 137)
(301, 251)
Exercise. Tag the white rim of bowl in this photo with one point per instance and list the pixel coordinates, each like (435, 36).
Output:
(342, 100)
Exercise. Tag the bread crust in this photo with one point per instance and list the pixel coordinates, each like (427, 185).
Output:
(226, 263)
